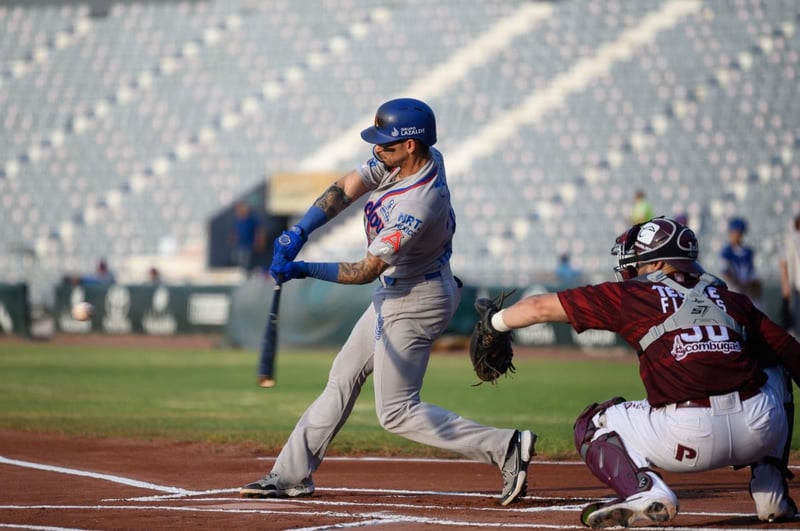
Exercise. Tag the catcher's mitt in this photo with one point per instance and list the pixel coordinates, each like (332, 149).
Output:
(489, 350)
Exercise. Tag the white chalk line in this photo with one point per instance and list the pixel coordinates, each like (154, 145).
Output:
(176, 493)
(93, 475)
(345, 459)
(385, 492)
(367, 518)
(41, 527)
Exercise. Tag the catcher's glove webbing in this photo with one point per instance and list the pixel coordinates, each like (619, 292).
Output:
(489, 350)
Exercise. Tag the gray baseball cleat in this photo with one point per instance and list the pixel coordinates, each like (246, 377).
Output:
(271, 487)
(515, 468)
(627, 511)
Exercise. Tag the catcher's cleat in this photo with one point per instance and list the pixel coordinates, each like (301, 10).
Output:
(515, 469)
(624, 512)
(271, 487)
(787, 512)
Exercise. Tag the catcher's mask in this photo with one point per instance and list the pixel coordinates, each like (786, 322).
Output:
(400, 119)
(659, 239)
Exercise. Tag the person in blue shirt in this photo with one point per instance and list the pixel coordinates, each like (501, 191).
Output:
(738, 263)
(102, 274)
(565, 273)
(246, 236)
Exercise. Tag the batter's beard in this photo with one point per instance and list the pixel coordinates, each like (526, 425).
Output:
(378, 159)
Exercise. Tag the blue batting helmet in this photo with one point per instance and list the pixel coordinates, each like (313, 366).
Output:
(400, 119)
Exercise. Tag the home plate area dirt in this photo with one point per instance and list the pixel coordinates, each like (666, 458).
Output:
(57, 482)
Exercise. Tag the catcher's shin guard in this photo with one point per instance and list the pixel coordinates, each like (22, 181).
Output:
(609, 461)
(606, 455)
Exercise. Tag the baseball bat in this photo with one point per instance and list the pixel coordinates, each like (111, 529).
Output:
(269, 344)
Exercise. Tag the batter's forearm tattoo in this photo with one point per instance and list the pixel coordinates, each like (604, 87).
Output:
(333, 200)
(356, 273)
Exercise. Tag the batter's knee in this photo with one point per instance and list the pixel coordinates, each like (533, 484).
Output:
(393, 419)
(584, 429)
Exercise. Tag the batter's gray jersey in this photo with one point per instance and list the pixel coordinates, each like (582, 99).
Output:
(409, 222)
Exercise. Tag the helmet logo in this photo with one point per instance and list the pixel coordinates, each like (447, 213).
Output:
(395, 132)
(647, 233)
(412, 131)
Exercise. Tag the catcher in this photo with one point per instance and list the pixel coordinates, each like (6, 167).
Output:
(716, 396)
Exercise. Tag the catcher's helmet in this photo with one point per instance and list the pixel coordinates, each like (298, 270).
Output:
(659, 239)
(400, 119)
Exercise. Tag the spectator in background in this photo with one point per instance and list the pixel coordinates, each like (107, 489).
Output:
(565, 273)
(102, 274)
(738, 263)
(642, 210)
(154, 276)
(246, 236)
(790, 280)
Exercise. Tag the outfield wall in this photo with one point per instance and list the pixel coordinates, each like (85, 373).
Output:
(161, 309)
(318, 313)
(313, 313)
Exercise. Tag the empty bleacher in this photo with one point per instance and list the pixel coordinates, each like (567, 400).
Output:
(123, 130)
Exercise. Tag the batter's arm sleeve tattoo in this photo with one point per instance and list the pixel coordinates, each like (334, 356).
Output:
(341, 194)
(361, 272)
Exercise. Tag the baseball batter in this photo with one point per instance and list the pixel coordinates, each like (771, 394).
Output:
(712, 367)
(409, 225)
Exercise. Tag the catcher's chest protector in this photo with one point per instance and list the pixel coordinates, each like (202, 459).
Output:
(695, 310)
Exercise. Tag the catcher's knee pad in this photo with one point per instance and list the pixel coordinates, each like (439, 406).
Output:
(584, 429)
(609, 461)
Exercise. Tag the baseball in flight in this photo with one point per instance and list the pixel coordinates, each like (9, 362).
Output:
(83, 311)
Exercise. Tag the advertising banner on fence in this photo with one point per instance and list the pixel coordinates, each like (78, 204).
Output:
(13, 309)
(145, 309)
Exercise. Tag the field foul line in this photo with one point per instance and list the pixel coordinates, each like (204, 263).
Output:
(94, 475)
(387, 492)
(423, 460)
(41, 527)
(365, 519)
(370, 518)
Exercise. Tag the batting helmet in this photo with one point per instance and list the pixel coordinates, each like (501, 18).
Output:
(400, 119)
(659, 239)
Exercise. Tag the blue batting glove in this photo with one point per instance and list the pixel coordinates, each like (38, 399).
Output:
(289, 271)
(288, 245)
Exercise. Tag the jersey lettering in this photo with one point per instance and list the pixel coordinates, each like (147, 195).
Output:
(684, 453)
(699, 339)
(671, 299)
(372, 219)
(410, 221)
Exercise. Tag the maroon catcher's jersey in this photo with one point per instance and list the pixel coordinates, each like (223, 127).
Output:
(689, 363)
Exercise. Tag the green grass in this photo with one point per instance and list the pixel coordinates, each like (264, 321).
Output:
(210, 395)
